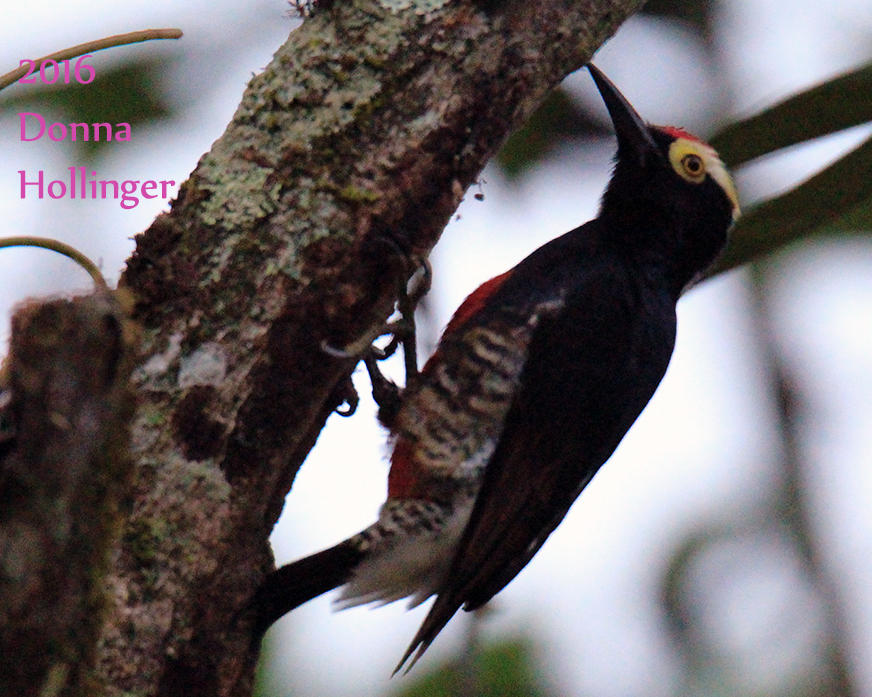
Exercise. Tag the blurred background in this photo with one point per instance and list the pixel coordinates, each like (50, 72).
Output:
(725, 548)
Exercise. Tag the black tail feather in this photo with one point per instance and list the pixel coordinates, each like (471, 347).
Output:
(445, 607)
(296, 583)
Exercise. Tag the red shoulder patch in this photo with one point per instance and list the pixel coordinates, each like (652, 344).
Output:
(675, 132)
(475, 301)
(402, 479)
(467, 310)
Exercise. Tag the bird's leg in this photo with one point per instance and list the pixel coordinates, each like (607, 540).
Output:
(386, 394)
(407, 304)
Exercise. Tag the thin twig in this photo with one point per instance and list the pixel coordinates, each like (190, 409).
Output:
(60, 248)
(132, 37)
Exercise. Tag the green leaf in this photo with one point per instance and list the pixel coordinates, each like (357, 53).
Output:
(827, 108)
(504, 669)
(837, 200)
(126, 93)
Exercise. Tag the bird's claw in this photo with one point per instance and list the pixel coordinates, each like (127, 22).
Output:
(385, 393)
(420, 281)
(346, 394)
(402, 331)
(351, 350)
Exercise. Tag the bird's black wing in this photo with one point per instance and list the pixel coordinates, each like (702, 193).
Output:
(569, 414)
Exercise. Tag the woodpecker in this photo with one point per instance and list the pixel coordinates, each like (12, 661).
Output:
(536, 379)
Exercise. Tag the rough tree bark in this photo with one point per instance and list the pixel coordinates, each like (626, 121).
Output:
(346, 156)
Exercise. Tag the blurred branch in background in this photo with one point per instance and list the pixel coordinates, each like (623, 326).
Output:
(792, 504)
(836, 200)
(803, 614)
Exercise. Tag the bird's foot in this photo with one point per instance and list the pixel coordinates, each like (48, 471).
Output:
(346, 398)
(386, 394)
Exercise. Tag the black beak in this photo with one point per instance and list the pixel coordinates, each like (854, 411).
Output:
(634, 139)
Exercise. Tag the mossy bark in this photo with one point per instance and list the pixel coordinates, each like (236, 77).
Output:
(346, 157)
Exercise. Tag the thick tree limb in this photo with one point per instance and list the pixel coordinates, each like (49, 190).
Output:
(346, 157)
(63, 480)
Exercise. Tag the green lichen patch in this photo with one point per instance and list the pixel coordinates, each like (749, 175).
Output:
(143, 540)
(239, 191)
(355, 194)
(419, 7)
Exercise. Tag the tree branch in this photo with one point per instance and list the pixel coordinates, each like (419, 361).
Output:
(62, 484)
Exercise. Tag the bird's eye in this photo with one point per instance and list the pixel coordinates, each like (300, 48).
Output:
(689, 160)
(693, 165)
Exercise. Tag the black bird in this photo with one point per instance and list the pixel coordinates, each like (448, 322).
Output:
(538, 376)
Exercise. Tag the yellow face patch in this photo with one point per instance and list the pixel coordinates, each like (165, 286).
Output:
(694, 160)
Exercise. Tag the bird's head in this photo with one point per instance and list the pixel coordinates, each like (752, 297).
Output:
(667, 183)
